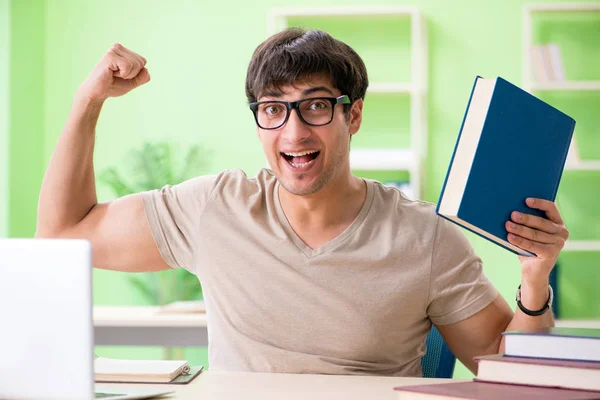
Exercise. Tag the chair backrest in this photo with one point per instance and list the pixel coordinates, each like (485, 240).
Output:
(438, 361)
(554, 284)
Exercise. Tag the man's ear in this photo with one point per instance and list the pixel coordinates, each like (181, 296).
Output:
(356, 116)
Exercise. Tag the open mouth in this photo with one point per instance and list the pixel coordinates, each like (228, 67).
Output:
(301, 159)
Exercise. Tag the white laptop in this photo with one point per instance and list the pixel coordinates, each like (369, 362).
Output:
(46, 334)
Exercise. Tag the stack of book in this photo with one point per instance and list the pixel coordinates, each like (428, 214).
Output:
(550, 363)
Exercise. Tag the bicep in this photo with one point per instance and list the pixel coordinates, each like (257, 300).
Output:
(120, 236)
(479, 334)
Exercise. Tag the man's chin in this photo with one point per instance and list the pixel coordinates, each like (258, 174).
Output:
(300, 186)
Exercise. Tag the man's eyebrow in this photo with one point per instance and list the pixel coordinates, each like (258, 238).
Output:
(276, 93)
(312, 90)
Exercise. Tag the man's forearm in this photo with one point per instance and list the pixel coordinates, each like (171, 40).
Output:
(533, 297)
(68, 190)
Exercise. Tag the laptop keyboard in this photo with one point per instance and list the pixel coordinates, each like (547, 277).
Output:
(104, 395)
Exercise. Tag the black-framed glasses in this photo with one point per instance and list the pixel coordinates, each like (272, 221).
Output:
(315, 111)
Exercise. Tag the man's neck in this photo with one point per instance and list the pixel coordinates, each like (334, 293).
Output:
(338, 204)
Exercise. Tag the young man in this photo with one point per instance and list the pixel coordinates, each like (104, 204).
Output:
(305, 268)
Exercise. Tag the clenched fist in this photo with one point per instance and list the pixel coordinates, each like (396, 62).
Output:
(119, 71)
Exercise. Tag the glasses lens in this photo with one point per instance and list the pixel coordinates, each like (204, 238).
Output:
(271, 115)
(316, 111)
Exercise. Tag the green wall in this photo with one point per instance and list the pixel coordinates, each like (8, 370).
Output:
(27, 83)
(4, 122)
(197, 55)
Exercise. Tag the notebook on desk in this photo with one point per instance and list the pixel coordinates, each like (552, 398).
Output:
(144, 371)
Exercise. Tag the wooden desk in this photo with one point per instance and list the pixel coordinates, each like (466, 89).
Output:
(212, 385)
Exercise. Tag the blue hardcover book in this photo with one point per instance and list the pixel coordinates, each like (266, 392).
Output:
(511, 146)
(557, 343)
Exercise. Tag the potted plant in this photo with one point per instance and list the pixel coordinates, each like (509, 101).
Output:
(153, 166)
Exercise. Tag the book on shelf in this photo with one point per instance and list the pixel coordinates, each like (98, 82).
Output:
(566, 374)
(143, 371)
(558, 343)
(547, 63)
(511, 146)
(556, 62)
(540, 63)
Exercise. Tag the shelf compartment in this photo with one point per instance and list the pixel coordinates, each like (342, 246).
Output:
(582, 245)
(382, 159)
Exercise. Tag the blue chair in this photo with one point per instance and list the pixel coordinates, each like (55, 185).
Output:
(438, 361)
(554, 284)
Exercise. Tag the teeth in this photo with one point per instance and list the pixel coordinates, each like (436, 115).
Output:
(293, 164)
(302, 153)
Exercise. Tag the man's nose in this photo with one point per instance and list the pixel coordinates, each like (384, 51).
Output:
(295, 130)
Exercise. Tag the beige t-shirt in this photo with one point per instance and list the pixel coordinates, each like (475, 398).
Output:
(362, 303)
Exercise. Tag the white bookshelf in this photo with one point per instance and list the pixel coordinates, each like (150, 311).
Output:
(587, 165)
(562, 7)
(565, 86)
(530, 84)
(529, 12)
(582, 245)
(409, 159)
(277, 16)
(578, 323)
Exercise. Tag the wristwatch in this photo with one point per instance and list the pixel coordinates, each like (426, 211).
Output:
(538, 312)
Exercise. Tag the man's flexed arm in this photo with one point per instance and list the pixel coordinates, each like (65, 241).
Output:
(68, 205)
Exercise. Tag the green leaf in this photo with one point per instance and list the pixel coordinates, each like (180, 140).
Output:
(194, 163)
(153, 166)
(189, 286)
(113, 179)
(144, 288)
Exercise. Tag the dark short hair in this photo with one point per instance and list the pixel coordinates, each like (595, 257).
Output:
(295, 54)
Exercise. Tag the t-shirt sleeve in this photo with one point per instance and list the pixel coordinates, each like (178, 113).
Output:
(174, 214)
(459, 288)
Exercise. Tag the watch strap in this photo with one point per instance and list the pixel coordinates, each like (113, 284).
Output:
(536, 313)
